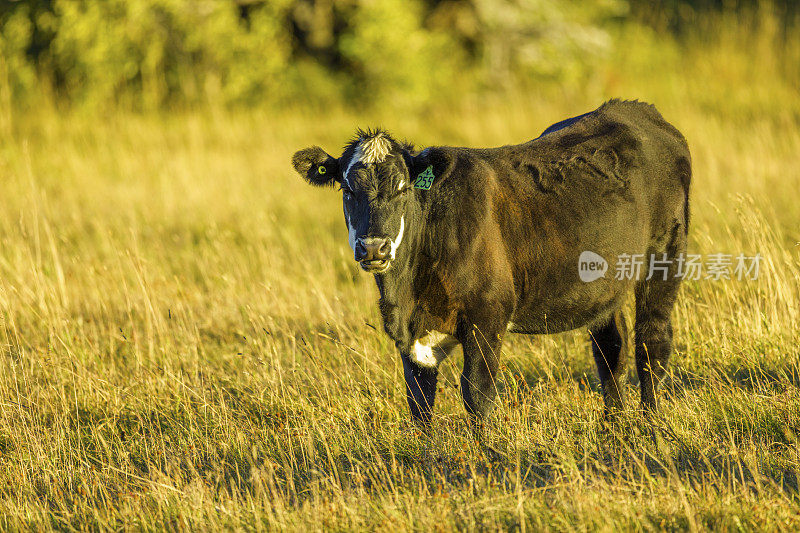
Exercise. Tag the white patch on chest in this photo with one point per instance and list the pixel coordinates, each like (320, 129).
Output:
(432, 348)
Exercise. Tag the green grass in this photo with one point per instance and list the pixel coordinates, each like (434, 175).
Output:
(187, 342)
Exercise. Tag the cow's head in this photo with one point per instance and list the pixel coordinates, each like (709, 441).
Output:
(373, 174)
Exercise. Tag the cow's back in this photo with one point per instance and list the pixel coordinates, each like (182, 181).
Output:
(623, 152)
(612, 182)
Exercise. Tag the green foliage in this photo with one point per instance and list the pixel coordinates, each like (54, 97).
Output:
(148, 53)
(156, 53)
(17, 73)
(557, 39)
(161, 49)
(394, 56)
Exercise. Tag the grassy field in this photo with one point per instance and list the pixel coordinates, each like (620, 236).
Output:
(187, 342)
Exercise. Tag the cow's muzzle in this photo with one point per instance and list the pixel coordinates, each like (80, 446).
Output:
(374, 253)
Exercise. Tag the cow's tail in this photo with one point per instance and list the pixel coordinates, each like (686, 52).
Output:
(685, 174)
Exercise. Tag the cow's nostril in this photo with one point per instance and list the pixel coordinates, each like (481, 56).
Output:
(372, 249)
(361, 251)
(383, 251)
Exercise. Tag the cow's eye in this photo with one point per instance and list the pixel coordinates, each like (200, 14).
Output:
(401, 192)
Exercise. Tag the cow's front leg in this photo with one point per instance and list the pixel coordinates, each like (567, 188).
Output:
(481, 342)
(420, 389)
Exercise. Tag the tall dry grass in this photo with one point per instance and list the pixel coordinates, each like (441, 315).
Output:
(187, 342)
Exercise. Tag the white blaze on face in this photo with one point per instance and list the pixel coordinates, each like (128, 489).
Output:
(369, 151)
(433, 348)
(397, 240)
(353, 160)
(375, 149)
(351, 234)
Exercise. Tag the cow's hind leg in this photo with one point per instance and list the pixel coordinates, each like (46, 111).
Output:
(609, 347)
(654, 302)
(655, 299)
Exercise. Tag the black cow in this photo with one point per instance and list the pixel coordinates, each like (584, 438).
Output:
(468, 243)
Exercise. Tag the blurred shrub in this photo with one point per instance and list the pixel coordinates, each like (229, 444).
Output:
(17, 72)
(392, 56)
(149, 53)
(160, 50)
(414, 50)
(154, 53)
(542, 38)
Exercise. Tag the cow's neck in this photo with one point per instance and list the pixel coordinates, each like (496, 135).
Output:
(396, 288)
(396, 304)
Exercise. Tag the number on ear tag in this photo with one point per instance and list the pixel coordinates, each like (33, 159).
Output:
(425, 179)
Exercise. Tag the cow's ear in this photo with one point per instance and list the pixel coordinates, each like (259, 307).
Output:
(428, 167)
(316, 166)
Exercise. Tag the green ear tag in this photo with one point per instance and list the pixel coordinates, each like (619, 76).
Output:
(322, 169)
(425, 179)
